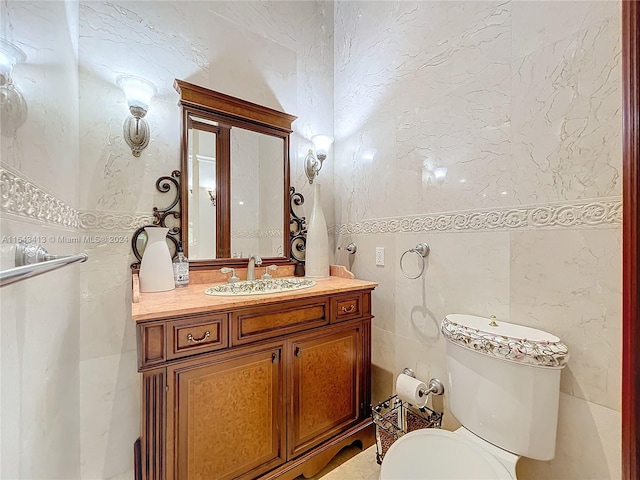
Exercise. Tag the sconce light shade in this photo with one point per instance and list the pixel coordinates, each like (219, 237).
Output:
(139, 93)
(322, 144)
(14, 107)
(313, 162)
(9, 56)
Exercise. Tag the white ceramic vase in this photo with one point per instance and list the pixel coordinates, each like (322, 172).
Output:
(156, 269)
(317, 249)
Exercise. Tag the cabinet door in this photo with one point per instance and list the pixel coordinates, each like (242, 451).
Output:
(226, 415)
(324, 386)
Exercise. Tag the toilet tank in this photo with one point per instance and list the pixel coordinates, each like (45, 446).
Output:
(504, 382)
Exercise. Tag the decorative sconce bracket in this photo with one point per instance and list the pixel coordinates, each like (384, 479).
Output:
(163, 185)
(13, 107)
(312, 165)
(212, 197)
(136, 133)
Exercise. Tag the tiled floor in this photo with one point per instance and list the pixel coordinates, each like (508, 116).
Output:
(350, 464)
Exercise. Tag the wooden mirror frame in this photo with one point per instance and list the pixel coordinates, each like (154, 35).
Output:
(630, 240)
(231, 112)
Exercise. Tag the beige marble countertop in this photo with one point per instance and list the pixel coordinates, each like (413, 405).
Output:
(192, 299)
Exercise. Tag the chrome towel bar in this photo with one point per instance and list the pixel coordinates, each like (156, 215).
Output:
(33, 260)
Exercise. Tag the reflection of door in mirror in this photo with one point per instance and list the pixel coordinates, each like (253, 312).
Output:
(201, 176)
(256, 194)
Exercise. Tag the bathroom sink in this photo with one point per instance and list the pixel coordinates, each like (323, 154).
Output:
(260, 287)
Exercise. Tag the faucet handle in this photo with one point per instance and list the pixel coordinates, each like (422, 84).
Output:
(266, 274)
(232, 271)
(258, 260)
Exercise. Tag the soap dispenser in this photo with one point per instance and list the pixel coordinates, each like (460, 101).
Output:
(181, 268)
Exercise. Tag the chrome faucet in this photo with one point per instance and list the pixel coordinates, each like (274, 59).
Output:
(251, 267)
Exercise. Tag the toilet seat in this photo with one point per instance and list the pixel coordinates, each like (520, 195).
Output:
(442, 455)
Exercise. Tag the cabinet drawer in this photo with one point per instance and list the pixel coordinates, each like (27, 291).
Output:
(346, 307)
(254, 324)
(198, 334)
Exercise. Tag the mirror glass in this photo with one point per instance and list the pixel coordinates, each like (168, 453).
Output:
(257, 176)
(201, 178)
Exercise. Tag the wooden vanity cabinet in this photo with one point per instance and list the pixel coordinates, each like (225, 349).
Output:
(325, 376)
(271, 392)
(226, 416)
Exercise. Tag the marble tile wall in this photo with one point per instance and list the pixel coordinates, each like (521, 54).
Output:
(40, 328)
(68, 170)
(261, 52)
(520, 103)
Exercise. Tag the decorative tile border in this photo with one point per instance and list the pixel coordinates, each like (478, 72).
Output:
(25, 199)
(601, 212)
(113, 221)
(256, 233)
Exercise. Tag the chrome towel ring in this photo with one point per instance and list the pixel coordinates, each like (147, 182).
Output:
(422, 250)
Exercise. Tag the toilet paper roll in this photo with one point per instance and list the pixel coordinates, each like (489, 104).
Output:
(408, 389)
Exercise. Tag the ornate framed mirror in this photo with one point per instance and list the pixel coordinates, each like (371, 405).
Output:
(235, 197)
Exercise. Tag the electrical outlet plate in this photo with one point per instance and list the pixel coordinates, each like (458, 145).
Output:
(380, 256)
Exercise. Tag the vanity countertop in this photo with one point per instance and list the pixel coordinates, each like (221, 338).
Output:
(192, 299)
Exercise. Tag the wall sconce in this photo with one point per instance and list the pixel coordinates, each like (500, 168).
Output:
(139, 93)
(14, 107)
(212, 197)
(313, 163)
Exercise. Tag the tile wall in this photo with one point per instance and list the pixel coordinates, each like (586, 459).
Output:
(519, 101)
(278, 54)
(496, 130)
(40, 327)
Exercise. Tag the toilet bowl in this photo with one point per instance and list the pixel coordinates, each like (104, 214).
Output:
(503, 386)
(433, 454)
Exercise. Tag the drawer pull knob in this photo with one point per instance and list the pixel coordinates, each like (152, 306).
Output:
(198, 340)
(351, 308)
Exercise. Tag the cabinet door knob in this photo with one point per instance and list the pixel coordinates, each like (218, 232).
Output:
(198, 340)
(351, 308)
(298, 352)
(275, 357)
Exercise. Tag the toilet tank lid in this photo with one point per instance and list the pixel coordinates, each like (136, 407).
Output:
(506, 341)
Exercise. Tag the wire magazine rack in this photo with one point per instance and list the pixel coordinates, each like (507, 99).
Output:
(393, 418)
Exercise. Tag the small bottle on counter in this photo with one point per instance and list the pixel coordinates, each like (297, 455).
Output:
(181, 268)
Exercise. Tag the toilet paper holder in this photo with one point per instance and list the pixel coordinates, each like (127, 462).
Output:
(395, 417)
(435, 386)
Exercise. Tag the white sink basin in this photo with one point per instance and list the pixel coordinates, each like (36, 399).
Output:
(260, 287)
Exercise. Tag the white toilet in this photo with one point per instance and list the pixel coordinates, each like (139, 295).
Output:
(503, 387)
